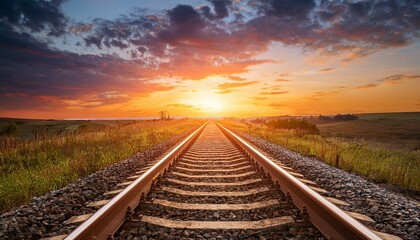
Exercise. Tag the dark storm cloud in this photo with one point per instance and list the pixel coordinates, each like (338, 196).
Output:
(33, 75)
(289, 9)
(21, 42)
(184, 15)
(220, 8)
(368, 26)
(185, 22)
(68, 75)
(350, 29)
(35, 15)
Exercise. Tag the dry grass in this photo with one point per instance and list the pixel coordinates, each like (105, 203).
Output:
(31, 167)
(400, 167)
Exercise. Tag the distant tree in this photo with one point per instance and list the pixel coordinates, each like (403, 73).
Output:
(326, 118)
(345, 117)
(162, 115)
(9, 129)
(339, 117)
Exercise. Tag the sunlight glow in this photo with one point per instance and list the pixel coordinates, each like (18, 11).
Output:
(212, 105)
(208, 102)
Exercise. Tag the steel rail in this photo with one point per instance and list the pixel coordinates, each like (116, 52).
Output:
(106, 221)
(330, 220)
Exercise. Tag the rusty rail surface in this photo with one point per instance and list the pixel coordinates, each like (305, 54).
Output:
(111, 216)
(330, 220)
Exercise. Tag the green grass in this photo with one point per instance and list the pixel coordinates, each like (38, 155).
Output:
(376, 161)
(33, 166)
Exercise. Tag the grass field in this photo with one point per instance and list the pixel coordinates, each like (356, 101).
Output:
(382, 147)
(393, 130)
(47, 155)
(32, 128)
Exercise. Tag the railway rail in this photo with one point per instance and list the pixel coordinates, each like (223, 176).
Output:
(216, 185)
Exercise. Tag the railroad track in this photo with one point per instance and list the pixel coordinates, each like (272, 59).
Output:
(214, 185)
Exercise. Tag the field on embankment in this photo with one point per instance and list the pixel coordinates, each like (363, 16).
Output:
(383, 147)
(44, 155)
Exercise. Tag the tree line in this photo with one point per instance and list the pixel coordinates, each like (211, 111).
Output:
(339, 117)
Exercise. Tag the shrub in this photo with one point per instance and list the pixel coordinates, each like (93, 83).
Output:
(9, 129)
(300, 125)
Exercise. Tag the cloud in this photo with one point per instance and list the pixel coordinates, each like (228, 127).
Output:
(35, 15)
(227, 86)
(282, 80)
(329, 29)
(31, 68)
(276, 105)
(390, 80)
(259, 98)
(273, 93)
(221, 39)
(396, 79)
(346, 28)
(317, 96)
(226, 91)
(180, 105)
(220, 9)
(327, 70)
(286, 9)
(235, 78)
(366, 86)
(272, 88)
(80, 28)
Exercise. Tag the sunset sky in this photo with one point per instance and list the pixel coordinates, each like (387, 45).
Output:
(243, 58)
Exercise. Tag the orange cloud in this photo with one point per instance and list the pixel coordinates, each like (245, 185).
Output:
(317, 96)
(367, 86)
(182, 105)
(276, 105)
(179, 105)
(272, 88)
(225, 86)
(226, 91)
(236, 78)
(282, 80)
(273, 93)
(259, 98)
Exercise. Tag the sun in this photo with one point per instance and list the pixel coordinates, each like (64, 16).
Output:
(211, 105)
(207, 102)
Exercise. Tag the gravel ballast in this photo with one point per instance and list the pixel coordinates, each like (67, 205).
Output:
(45, 216)
(186, 216)
(393, 213)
